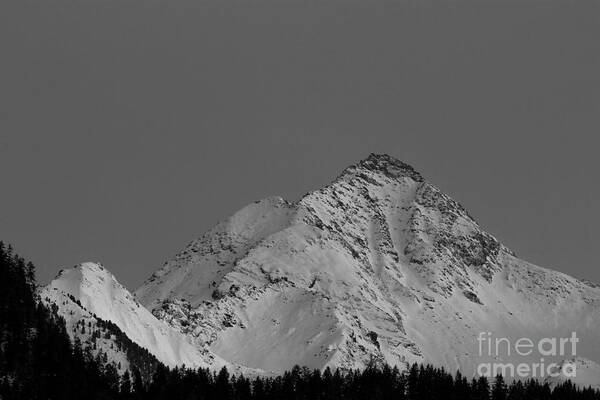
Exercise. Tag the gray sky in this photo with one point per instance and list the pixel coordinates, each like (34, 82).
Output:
(129, 127)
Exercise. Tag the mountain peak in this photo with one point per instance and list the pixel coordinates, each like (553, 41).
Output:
(81, 269)
(383, 158)
(387, 165)
(370, 267)
(100, 295)
(90, 266)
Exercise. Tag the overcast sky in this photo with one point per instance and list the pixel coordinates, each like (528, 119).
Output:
(129, 127)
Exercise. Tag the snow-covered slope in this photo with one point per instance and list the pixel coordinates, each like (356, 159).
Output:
(194, 273)
(378, 264)
(587, 373)
(88, 292)
(85, 327)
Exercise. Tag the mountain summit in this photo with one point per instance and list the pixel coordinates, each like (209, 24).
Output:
(379, 265)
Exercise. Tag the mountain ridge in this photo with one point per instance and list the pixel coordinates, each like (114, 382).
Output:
(99, 296)
(377, 265)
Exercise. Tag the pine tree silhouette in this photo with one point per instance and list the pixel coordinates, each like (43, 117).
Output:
(499, 389)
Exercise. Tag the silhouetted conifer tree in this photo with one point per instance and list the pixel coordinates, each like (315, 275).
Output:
(499, 389)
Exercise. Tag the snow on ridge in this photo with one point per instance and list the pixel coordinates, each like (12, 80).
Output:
(215, 252)
(396, 269)
(102, 295)
(377, 265)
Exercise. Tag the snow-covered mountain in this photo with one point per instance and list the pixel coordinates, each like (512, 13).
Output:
(88, 295)
(378, 265)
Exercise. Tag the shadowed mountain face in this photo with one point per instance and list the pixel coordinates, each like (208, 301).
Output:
(379, 264)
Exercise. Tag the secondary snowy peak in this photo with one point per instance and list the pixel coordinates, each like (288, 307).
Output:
(88, 291)
(377, 264)
(195, 272)
(95, 288)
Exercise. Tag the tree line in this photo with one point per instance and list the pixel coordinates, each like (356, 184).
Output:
(420, 382)
(39, 361)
